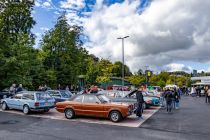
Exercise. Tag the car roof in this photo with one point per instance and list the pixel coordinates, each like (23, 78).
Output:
(29, 92)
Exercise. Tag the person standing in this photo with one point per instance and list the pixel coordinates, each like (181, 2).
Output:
(12, 89)
(140, 101)
(208, 94)
(162, 99)
(176, 98)
(20, 88)
(168, 97)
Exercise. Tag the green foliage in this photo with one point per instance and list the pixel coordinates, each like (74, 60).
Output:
(61, 58)
(136, 79)
(62, 54)
(117, 70)
(18, 57)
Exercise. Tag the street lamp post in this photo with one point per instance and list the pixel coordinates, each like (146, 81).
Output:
(146, 68)
(123, 60)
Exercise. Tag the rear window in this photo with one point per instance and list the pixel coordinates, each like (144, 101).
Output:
(43, 96)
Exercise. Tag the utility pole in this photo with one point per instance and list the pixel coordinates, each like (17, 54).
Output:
(146, 68)
(123, 60)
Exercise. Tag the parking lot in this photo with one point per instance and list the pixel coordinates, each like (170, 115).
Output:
(187, 123)
(131, 121)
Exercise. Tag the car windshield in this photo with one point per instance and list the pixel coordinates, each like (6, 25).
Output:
(65, 94)
(104, 98)
(43, 96)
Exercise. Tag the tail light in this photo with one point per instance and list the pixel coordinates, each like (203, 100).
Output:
(36, 104)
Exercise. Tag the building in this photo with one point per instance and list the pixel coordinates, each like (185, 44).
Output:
(114, 81)
(201, 81)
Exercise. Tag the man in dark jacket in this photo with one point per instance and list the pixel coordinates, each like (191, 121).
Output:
(140, 101)
(169, 98)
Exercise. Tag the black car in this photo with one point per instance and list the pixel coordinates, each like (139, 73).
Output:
(60, 95)
(5, 94)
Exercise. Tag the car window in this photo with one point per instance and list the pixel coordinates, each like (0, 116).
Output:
(18, 96)
(78, 99)
(42, 96)
(56, 94)
(28, 96)
(65, 94)
(91, 99)
(103, 98)
(50, 93)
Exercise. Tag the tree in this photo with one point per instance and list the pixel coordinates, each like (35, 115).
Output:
(136, 79)
(16, 41)
(63, 55)
(117, 70)
(140, 72)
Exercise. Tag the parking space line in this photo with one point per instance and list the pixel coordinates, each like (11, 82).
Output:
(131, 121)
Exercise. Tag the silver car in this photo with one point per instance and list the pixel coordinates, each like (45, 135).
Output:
(29, 101)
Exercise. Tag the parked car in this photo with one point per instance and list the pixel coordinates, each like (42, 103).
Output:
(5, 93)
(155, 99)
(128, 97)
(29, 101)
(96, 105)
(60, 95)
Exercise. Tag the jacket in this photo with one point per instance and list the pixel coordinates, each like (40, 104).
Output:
(139, 97)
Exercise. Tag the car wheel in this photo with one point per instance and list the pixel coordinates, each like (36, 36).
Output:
(26, 109)
(4, 106)
(69, 113)
(4, 96)
(115, 116)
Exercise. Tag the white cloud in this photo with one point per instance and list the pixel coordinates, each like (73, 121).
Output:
(72, 4)
(44, 28)
(46, 4)
(178, 67)
(166, 32)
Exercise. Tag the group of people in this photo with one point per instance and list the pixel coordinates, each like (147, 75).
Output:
(198, 91)
(172, 98)
(15, 89)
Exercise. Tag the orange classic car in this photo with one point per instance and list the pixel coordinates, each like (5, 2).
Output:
(96, 105)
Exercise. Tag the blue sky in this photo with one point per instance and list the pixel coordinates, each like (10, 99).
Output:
(46, 16)
(173, 38)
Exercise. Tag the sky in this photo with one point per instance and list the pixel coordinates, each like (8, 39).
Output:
(166, 35)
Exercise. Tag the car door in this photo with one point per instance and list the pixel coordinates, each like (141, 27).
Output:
(92, 106)
(15, 101)
(78, 105)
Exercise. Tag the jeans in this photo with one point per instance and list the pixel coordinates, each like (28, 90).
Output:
(177, 105)
(162, 101)
(139, 110)
(209, 99)
(169, 106)
(173, 103)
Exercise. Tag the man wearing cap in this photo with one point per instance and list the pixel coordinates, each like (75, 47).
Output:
(140, 101)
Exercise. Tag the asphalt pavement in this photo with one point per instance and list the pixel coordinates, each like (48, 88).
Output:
(190, 122)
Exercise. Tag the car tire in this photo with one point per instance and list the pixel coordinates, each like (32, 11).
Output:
(26, 109)
(4, 106)
(69, 113)
(115, 116)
